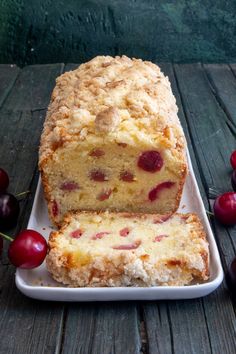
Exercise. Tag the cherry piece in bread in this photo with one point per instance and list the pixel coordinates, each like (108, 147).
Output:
(150, 161)
(127, 176)
(98, 176)
(103, 195)
(153, 194)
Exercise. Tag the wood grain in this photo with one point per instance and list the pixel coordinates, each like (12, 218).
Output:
(163, 319)
(212, 142)
(8, 74)
(223, 84)
(169, 71)
(205, 96)
(102, 328)
(26, 326)
(33, 88)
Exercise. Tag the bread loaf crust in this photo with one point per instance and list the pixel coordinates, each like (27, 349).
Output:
(142, 96)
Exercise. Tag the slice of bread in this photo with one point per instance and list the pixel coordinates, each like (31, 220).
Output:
(124, 249)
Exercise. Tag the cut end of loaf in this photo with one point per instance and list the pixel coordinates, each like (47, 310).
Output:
(112, 176)
(124, 249)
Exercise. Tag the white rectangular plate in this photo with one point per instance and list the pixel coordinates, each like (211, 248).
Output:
(38, 284)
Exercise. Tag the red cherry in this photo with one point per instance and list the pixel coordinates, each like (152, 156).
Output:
(69, 186)
(130, 246)
(76, 233)
(161, 218)
(103, 195)
(98, 176)
(100, 235)
(153, 194)
(225, 208)
(150, 161)
(4, 180)
(233, 159)
(127, 176)
(159, 238)
(28, 250)
(124, 232)
(231, 276)
(97, 153)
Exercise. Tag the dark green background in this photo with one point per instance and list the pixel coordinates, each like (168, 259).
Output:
(47, 31)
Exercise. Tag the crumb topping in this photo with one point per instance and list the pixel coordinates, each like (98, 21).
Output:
(107, 120)
(128, 99)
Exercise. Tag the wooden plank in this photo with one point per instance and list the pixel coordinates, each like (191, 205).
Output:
(33, 87)
(173, 327)
(204, 188)
(97, 319)
(102, 328)
(158, 327)
(20, 131)
(209, 133)
(220, 317)
(8, 74)
(207, 124)
(212, 141)
(26, 326)
(28, 151)
(21, 147)
(233, 68)
(223, 83)
(168, 70)
(163, 319)
(20, 161)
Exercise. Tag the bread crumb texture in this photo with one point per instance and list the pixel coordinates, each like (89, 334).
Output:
(123, 249)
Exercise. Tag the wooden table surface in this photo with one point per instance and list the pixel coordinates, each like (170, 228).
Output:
(206, 96)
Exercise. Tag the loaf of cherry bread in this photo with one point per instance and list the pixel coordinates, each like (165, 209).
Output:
(124, 249)
(112, 140)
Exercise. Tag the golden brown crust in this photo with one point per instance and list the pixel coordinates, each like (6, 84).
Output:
(181, 186)
(137, 90)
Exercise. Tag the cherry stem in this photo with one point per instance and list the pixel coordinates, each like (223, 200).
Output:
(209, 213)
(22, 193)
(6, 237)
